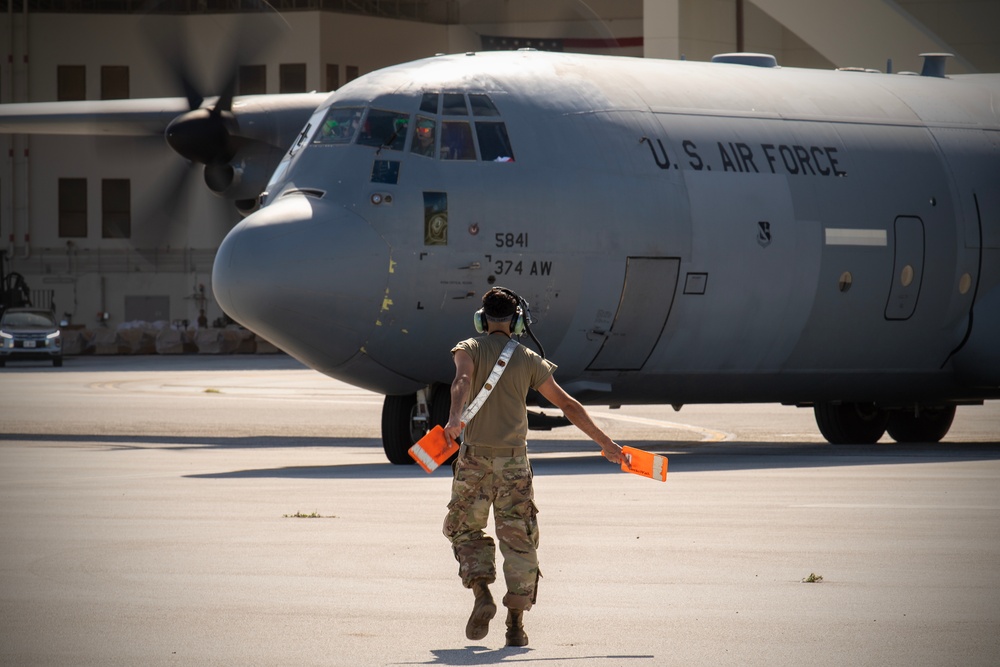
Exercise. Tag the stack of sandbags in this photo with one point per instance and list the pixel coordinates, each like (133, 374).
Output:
(138, 339)
(217, 341)
(77, 339)
(175, 341)
(265, 346)
(248, 341)
(109, 341)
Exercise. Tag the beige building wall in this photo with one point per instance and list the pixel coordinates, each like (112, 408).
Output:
(971, 27)
(823, 33)
(163, 258)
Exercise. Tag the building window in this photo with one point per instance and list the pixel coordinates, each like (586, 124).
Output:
(116, 208)
(114, 82)
(73, 208)
(351, 72)
(332, 77)
(253, 79)
(71, 83)
(292, 78)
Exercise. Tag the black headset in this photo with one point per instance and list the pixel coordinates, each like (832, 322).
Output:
(519, 321)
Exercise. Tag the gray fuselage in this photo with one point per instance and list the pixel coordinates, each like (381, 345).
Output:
(685, 232)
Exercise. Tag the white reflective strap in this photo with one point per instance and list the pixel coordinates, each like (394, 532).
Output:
(425, 458)
(491, 381)
(657, 467)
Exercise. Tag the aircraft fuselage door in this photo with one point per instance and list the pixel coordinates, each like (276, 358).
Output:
(648, 295)
(907, 270)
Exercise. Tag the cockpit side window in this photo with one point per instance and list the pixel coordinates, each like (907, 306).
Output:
(384, 129)
(453, 104)
(429, 103)
(339, 126)
(494, 144)
(482, 105)
(456, 140)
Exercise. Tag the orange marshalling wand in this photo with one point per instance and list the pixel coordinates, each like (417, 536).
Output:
(645, 464)
(433, 449)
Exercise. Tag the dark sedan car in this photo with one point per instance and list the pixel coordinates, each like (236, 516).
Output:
(29, 333)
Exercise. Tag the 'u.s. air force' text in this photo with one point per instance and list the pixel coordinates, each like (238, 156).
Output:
(792, 159)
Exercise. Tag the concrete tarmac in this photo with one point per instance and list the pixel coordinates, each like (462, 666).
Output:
(240, 511)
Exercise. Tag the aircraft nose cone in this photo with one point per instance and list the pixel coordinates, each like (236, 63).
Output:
(307, 276)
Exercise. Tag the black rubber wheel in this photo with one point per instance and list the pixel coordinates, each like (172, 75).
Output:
(397, 428)
(400, 429)
(440, 405)
(929, 425)
(850, 423)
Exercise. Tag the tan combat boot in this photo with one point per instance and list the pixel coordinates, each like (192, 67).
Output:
(483, 610)
(516, 636)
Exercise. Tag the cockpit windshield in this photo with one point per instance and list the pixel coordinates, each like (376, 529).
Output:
(339, 126)
(448, 126)
(384, 129)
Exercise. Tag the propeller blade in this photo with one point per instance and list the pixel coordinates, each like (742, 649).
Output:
(257, 30)
(167, 210)
(170, 43)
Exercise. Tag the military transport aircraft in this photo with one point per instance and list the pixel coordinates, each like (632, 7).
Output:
(685, 232)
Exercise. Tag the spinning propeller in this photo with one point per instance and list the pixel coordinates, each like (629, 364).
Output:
(208, 134)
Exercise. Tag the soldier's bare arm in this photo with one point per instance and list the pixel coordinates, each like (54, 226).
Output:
(576, 413)
(460, 387)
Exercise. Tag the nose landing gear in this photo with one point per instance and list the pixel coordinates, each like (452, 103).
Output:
(405, 420)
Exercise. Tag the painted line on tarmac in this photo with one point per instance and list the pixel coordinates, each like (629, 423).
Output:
(707, 434)
(334, 394)
(879, 506)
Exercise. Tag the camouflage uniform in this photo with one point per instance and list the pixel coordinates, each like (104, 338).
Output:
(486, 474)
(505, 483)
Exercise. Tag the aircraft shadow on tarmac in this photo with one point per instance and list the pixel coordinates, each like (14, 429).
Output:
(549, 457)
(569, 458)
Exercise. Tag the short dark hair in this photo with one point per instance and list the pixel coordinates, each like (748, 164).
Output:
(500, 303)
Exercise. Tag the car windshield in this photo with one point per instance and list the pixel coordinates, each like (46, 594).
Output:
(23, 320)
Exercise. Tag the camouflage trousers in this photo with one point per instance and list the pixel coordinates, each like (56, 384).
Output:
(505, 484)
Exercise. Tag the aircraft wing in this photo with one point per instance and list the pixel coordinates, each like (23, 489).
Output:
(239, 140)
(134, 117)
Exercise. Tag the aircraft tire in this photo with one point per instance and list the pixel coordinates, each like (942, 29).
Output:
(440, 408)
(397, 428)
(929, 425)
(850, 423)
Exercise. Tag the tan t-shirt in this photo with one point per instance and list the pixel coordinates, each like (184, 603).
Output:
(503, 419)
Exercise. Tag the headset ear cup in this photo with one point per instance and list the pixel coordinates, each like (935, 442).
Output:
(479, 321)
(517, 322)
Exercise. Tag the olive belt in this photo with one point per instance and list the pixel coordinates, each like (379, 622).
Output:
(493, 452)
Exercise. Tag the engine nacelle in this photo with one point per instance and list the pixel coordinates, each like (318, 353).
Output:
(242, 178)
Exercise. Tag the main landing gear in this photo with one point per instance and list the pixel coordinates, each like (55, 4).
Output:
(866, 423)
(405, 419)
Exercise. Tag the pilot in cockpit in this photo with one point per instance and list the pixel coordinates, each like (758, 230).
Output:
(423, 141)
